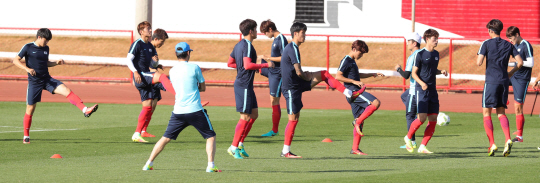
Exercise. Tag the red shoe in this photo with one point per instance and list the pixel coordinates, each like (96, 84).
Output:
(517, 139)
(90, 110)
(146, 134)
(358, 152)
(290, 155)
(357, 93)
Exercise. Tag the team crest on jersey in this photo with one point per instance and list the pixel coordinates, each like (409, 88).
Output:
(274, 45)
(519, 50)
(45, 52)
(436, 58)
(150, 49)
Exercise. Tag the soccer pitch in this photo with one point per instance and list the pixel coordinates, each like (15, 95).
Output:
(99, 149)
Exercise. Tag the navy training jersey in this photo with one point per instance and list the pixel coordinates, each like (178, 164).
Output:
(427, 63)
(277, 49)
(497, 52)
(36, 58)
(291, 56)
(143, 55)
(525, 51)
(350, 70)
(244, 78)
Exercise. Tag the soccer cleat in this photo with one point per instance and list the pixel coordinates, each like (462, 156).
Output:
(424, 150)
(507, 148)
(146, 134)
(358, 152)
(147, 167)
(408, 144)
(210, 170)
(355, 94)
(235, 153)
(517, 139)
(137, 138)
(26, 140)
(358, 128)
(242, 150)
(413, 145)
(492, 150)
(270, 134)
(290, 155)
(90, 110)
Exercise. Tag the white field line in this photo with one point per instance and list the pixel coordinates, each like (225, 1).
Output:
(39, 129)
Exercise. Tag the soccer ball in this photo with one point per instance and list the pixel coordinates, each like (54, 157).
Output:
(443, 119)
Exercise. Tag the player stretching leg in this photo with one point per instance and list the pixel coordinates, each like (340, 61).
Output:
(366, 103)
(296, 81)
(140, 58)
(424, 70)
(188, 80)
(409, 96)
(246, 101)
(520, 80)
(36, 56)
(274, 74)
(497, 53)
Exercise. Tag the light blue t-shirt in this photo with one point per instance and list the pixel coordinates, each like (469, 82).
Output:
(410, 65)
(185, 78)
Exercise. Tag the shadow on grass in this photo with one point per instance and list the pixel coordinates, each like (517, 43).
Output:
(48, 140)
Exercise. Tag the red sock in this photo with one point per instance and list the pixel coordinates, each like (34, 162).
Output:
(247, 129)
(505, 126)
(27, 122)
(142, 118)
(239, 131)
(520, 122)
(75, 100)
(331, 81)
(163, 79)
(414, 126)
(488, 126)
(276, 116)
(356, 140)
(367, 112)
(148, 118)
(289, 131)
(430, 129)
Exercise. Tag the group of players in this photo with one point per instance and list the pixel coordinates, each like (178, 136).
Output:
(286, 77)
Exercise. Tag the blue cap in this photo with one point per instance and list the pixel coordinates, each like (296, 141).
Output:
(182, 47)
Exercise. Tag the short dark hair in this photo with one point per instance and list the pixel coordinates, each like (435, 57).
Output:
(160, 34)
(512, 31)
(266, 25)
(297, 27)
(495, 25)
(182, 55)
(44, 33)
(430, 33)
(247, 25)
(143, 25)
(360, 46)
(417, 43)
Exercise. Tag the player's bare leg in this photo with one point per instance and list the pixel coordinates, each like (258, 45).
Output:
(160, 145)
(520, 122)
(211, 152)
(317, 77)
(27, 122)
(289, 134)
(75, 100)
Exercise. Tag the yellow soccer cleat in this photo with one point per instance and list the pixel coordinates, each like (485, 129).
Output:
(424, 150)
(507, 148)
(492, 150)
(408, 144)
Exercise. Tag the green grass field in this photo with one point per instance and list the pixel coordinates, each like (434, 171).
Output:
(99, 149)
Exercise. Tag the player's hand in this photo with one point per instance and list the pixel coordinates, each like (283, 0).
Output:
(31, 71)
(379, 75)
(271, 65)
(155, 58)
(444, 72)
(60, 62)
(160, 67)
(536, 85)
(424, 86)
(358, 83)
(397, 67)
(137, 77)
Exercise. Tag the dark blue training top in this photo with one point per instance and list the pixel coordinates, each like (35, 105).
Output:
(143, 55)
(427, 63)
(244, 78)
(525, 51)
(497, 52)
(291, 56)
(350, 70)
(36, 58)
(277, 50)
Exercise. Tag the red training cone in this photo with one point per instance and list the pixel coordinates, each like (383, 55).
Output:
(56, 156)
(327, 140)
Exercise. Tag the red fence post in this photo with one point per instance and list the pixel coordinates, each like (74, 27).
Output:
(404, 61)
(240, 37)
(450, 65)
(327, 57)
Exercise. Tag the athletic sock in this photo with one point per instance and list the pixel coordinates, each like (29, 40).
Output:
(163, 79)
(239, 131)
(286, 149)
(142, 117)
(430, 129)
(331, 81)
(347, 93)
(367, 112)
(414, 127)
(232, 147)
(150, 163)
(276, 116)
(76, 101)
(520, 122)
(356, 140)
(211, 164)
(27, 122)
(148, 118)
(505, 126)
(289, 132)
(488, 126)
(248, 128)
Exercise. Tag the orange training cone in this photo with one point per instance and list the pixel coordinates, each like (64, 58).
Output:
(327, 140)
(56, 156)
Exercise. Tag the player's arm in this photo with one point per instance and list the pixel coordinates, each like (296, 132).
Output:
(341, 78)
(202, 87)
(482, 52)
(415, 76)
(18, 63)
(274, 59)
(480, 59)
(300, 73)
(53, 63)
(367, 75)
(231, 62)
(248, 65)
(519, 64)
(404, 74)
(132, 68)
(200, 79)
(443, 72)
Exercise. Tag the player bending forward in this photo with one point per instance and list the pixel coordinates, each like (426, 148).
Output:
(366, 103)
(187, 80)
(36, 56)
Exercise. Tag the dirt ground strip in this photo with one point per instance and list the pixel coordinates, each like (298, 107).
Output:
(224, 96)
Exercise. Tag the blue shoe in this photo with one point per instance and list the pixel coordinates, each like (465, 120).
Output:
(405, 146)
(270, 134)
(234, 153)
(243, 152)
(210, 170)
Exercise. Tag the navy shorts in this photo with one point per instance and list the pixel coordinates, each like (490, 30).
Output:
(359, 105)
(145, 87)
(36, 86)
(198, 119)
(264, 71)
(495, 95)
(274, 82)
(293, 98)
(245, 100)
(410, 105)
(427, 101)
(520, 89)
